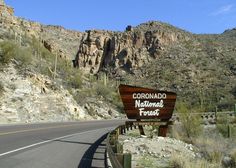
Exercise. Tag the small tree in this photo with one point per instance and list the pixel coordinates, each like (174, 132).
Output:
(8, 51)
(191, 123)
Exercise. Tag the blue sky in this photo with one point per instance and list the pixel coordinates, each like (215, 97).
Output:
(197, 16)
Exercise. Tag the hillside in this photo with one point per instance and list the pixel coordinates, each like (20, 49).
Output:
(37, 80)
(200, 68)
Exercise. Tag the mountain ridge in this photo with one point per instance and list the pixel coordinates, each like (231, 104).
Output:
(200, 68)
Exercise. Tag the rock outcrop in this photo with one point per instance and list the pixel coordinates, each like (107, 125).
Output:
(57, 39)
(5, 10)
(127, 50)
(35, 98)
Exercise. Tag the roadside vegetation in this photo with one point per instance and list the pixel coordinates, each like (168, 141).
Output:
(29, 55)
(216, 144)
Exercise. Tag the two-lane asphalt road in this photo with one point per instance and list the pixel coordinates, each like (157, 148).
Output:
(55, 145)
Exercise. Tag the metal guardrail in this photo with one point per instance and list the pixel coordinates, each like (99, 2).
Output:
(115, 149)
(211, 112)
(207, 115)
(115, 153)
(111, 154)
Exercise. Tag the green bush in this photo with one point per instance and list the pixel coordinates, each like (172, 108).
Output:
(8, 51)
(222, 126)
(191, 123)
(180, 161)
(82, 95)
(24, 56)
(75, 80)
(146, 161)
(102, 90)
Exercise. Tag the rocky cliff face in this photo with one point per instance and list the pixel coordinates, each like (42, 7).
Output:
(127, 50)
(35, 91)
(161, 56)
(56, 39)
(35, 98)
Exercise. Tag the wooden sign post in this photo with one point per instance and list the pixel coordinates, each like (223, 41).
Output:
(148, 104)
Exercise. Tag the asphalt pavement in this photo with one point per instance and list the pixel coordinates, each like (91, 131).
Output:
(55, 145)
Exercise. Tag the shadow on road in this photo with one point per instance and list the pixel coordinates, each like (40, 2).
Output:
(95, 156)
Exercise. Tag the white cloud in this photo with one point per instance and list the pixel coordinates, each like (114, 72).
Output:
(223, 10)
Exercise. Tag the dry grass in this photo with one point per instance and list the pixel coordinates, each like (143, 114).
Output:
(212, 146)
(190, 123)
(233, 153)
(180, 161)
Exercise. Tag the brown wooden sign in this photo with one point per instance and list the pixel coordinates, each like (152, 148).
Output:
(143, 103)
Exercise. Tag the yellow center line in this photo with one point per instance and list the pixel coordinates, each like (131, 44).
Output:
(36, 129)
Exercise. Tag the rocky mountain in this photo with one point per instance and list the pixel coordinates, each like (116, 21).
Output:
(128, 50)
(200, 68)
(35, 98)
(32, 89)
(55, 38)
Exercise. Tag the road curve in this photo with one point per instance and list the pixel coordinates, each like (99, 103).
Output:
(54, 145)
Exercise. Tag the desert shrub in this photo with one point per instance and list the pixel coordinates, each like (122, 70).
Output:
(8, 51)
(75, 80)
(24, 56)
(102, 90)
(92, 111)
(176, 131)
(1, 89)
(72, 76)
(81, 95)
(191, 123)
(109, 93)
(223, 129)
(213, 147)
(116, 100)
(180, 161)
(133, 133)
(222, 125)
(146, 161)
(233, 153)
(44, 69)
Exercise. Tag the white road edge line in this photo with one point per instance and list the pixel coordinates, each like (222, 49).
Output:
(43, 142)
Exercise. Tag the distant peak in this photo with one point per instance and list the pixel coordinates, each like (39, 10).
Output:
(230, 30)
(2, 2)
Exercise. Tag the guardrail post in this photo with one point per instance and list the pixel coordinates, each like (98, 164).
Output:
(127, 160)
(112, 140)
(117, 133)
(216, 109)
(121, 130)
(124, 129)
(120, 157)
(141, 131)
(115, 149)
(127, 127)
(229, 131)
(131, 127)
(119, 147)
(235, 109)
